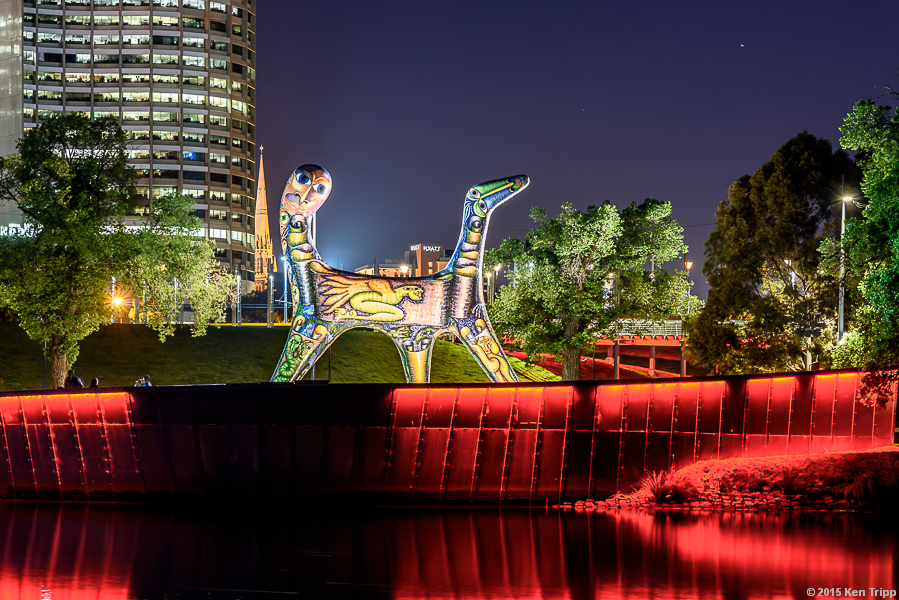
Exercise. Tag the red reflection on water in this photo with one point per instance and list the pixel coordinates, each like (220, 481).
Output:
(114, 551)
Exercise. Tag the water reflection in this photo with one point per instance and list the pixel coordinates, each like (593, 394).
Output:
(112, 551)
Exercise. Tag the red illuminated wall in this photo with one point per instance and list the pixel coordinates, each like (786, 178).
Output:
(488, 444)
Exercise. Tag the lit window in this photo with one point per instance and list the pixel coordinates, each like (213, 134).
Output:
(168, 21)
(77, 77)
(106, 59)
(135, 40)
(139, 21)
(193, 119)
(164, 98)
(193, 61)
(136, 78)
(193, 99)
(135, 59)
(136, 97)
(192, 42)
(106, 77)
(217, 158)
(165, 117)
(105, 40)
(165, 59)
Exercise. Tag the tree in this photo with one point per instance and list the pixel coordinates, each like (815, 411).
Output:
(575, 277)
(73, 185)
(769, 308)
(869, 251)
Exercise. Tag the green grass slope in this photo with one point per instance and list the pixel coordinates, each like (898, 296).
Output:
(120, 354)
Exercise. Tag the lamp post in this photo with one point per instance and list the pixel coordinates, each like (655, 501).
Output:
(404, 269)
(496, 270)
(271, 290)
(284, 260)
(841, 322)
(688, 264)
(238, 300)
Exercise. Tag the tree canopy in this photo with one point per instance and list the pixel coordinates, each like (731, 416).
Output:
(870, 249)
(769, 308)
(575, 277)
(73, 185)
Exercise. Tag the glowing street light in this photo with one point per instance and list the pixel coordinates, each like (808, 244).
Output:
(840, 322)
(404, 269)
(286, 298)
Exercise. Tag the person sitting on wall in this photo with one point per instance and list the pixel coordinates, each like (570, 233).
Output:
(95, 383)
(73, 382)
(145, 382)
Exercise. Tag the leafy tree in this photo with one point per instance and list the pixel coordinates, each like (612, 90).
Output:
(870, 250)
(769, 308)
(73, 185)
(576, 276)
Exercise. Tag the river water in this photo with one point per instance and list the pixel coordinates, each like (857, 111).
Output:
(107, 551)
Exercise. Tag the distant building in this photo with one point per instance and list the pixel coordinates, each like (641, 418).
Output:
(426, 259)
(179, 75)
(387, 268)
(265, 259)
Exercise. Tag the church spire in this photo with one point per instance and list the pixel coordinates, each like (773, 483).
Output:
(265, 261)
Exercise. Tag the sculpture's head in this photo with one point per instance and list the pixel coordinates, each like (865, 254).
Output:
(484, 197)
(305, 192)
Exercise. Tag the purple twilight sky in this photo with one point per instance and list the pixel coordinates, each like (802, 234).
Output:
(408, 104)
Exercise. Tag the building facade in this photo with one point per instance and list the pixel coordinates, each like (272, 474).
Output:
(178, 74)
(426, 259)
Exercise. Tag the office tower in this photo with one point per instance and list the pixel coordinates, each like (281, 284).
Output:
(180, 76)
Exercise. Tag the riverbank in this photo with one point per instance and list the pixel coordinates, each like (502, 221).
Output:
(866, 481)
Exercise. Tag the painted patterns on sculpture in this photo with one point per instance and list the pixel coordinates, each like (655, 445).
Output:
(412, 311)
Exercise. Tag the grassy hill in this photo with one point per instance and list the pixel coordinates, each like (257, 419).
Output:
(120, 354)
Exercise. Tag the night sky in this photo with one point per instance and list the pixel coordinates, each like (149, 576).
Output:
(408, 104)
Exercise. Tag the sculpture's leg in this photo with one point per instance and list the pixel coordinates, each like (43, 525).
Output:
(486, 349)
(308, 339)
(415, 345)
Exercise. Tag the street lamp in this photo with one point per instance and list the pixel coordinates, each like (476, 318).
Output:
(688, 264)
(496, 270)
(404, 268)
(286, 298)
(841, 322)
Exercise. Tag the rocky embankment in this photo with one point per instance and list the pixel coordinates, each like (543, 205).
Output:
(834, 482)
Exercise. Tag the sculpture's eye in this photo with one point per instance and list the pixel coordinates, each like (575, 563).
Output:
(475, 224)
(474, 193)
(482, 206)
(303, 178)
(320, 188)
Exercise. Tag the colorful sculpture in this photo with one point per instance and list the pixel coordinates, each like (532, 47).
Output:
(412, 311)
